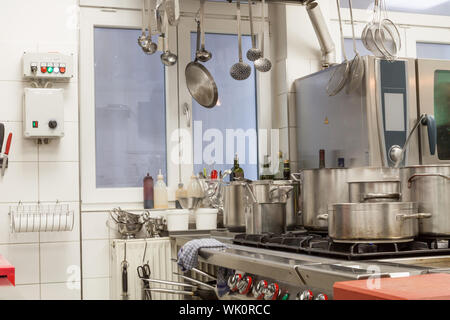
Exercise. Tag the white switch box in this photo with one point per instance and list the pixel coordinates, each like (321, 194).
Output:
(43, 113)
(51, 65)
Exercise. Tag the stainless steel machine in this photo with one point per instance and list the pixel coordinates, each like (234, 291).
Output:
(362, 127)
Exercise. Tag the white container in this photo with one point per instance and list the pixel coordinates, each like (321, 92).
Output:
(206, 219)
(177, 220)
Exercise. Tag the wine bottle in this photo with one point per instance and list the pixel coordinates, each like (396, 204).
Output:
(237, 172)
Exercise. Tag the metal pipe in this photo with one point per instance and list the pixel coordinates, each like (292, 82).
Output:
(323, 35)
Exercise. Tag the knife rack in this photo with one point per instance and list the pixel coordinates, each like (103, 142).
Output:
(41, 218)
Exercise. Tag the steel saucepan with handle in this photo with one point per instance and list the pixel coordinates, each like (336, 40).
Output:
(374, 222)
(374, 191)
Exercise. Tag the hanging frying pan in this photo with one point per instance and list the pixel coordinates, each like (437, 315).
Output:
(199, 81)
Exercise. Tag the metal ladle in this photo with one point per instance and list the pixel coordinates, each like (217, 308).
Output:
(240, 70)
(150, 47)
(203, 55)
(253, 53)
(167, 58)
(142, 39)
(357, 64)
(263, 64)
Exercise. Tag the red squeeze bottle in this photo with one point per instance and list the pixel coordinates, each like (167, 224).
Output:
(148, 192)
(214, 174)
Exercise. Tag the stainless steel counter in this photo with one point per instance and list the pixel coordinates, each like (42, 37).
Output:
(307, 271)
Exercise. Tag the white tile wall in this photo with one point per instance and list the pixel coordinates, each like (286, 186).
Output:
(94, 225)
(21, 292)
(96, 257)
(96, 289)
(64, 149)
(20, 182)
(61, 291)
(60, 261)
(25, 258)
(59, 181)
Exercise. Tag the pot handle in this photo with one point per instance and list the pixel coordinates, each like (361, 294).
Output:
(297, 176)
(372, 196)
(417, 175)
(323, 216)
(414, 216)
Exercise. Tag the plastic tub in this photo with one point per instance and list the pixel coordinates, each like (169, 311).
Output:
(206, 219)
(177, 220)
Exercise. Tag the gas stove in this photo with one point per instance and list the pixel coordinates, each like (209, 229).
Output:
(320, 244)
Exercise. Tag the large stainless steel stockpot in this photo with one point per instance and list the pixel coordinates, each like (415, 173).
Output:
(266, 217)
(319, 189)
(292, 199)
(429, 186)
(382, 221)
(374, 191)
(234, 205)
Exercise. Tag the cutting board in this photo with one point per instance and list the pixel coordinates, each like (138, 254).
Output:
(421, 287)
(7, 273)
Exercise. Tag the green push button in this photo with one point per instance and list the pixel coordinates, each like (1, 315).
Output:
(35, 124)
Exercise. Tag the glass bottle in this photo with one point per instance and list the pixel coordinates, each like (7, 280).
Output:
(286, 170)
(237, 172)
(180, 193)
(280, 175)
(321, 158)
(266, 174)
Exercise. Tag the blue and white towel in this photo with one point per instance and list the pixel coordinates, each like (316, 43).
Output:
(188, 254)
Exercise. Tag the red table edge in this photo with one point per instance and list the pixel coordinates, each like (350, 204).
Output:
(7, 270)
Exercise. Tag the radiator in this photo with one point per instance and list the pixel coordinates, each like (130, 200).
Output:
(158, 255)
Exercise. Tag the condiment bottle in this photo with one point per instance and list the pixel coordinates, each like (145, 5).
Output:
(160, 191)
(148, 192)
(194, 189)
(287, 170)
(180, 193)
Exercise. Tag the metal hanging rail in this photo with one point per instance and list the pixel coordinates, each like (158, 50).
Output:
(300, 2)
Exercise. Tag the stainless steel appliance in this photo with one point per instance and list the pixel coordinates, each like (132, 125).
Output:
(429, 186)
(364, 125)
(266, 217)
(433, 83)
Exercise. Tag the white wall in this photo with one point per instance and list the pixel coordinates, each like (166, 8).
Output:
(44, 173)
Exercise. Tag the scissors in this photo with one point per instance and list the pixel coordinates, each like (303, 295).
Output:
(144, 272)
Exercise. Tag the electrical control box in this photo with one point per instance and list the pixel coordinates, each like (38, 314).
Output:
(47, 66)
(43, 113)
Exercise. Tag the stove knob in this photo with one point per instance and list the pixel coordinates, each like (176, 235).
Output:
(259, 289)
(52, 124)
(321, 296)
(233, 281)
(272, 292)
(245, 285)
(305, 295)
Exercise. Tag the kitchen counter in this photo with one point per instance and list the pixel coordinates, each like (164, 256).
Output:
(304, 270)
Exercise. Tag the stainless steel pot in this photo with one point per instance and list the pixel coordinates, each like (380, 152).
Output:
(285, 191)
(263, 217)
(266, 217)
(234, 205)
(292, 199)
(319, 189)
(429, 186)
(374, 191)
(372, 222)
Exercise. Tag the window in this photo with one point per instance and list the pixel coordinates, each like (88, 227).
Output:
(442, 112)
(436, 7)
(130, 129)
(433, 50)
(235, 111)
(348, 47)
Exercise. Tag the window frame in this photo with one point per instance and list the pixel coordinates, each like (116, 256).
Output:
(126, 19)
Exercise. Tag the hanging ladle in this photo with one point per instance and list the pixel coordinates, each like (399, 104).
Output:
(203, 55)
(150, 47)
(263, 64)
(142, 39)
(253, 53)
(240, 70)
(167, 58)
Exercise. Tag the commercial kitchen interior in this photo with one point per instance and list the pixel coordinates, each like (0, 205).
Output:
(112, 113)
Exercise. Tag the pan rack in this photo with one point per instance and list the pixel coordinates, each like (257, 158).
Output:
(41, 218)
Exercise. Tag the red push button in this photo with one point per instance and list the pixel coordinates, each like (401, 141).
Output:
(62, 69)
(44, 69)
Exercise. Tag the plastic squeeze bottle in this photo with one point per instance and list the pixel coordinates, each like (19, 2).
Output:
(160, 191)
